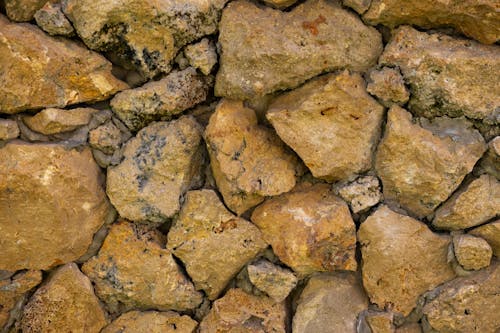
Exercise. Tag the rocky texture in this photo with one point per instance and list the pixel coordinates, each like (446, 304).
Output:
(23, 10)
(202, 55)
(160, 164)
(362, 193)
(491, 233)
(8, 129)
(203, 233)
(51, 204)
(281, 4)
(106, 138)
(309, 229)
(66, 303)
(389, 86)
(53, 121)
(330, 303)
(380, 322)
(248, 160)
(36, 71)
(472, 253)
(491, 160)
(265, 50)
(275, 281)
(151, 322)
(402, 259)
(51, 19)
(409, 328)
(360, 6)
(447, 76)
(134, 271)
(421, 162)
(332, 124)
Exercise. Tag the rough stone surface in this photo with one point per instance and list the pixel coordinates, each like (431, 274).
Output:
(38, 71)
(421, 163)
(248, 160)
(281, 4)
(213, 244)
(380, 322)
(309, 229)
(51, 204)
(265, 50)
(22, 10)
(330, 303)
(332, 124)
(362, 193)
(53, 121)
(491, 160)
(491, 233)
(52, 20)
(151, 322)
(107, 138)
(66, 303)
(389, 86)
(275, 281)
(134, 271)
(409, 328)
(472, 253)
(360, 6)
(202, 55)
(402, 259)
(8, 129)
(160, 164)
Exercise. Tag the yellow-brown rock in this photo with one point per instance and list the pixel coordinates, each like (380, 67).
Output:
(362, 193)
(281, 4)
(491, 233)
(380, 322)
(275, 281)
(389, 86)
(54, 121)
(472, 253)
(23, 10)
(8, 129)
(151, 322)
(491, 160)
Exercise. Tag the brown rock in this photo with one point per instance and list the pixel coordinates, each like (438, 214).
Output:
(409, 328)
(388, 85)
(281, 4)
(275, 281)
(8, 129)
(22, 10)
(266, 50)
(332, 124)
(472, 253)
(491, 160)
(360, 6)
(51, 204)
(309, 229)
(362, 193)
(53, 121)
(202, 55)
(107, 137)
(491, 233)
(151, 322)
(380, 322)
(52, 20)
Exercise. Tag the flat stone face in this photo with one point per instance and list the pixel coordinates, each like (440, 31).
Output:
(332, 123)
(275, 281)
(421, 163)
(151, 322)
(491, 233)
(402, 259)
(447, 76)
(266, 50)
(472, 253)
(47, 72)
(51, 204)
(134, 271)
(362, 193)
(389, 86)
(309, 229)
(53, 121)
(22, 10)
(8, 129)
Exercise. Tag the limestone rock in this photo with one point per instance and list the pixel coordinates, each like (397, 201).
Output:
(447, 76)
(275, 281)
(53, 121)
(266, 50)
(380, 322)
(402, 259)
(362, 193)
(309, 229)
(8, 129)
(491, 233)
(330, 303)
(472, 253)
(388, 85)
(248, 160)
(202, 55)
(332, 124)
(151, 322)
(22, 10)
(107, 137)
(51, 204)
(213, 244)
(360, 6)
(52, 20)
(281, 4)
(66, 303)
(491, 160)
(409, 328)
(160, 164)
(420, 165)
(38, 71)
(134, 271)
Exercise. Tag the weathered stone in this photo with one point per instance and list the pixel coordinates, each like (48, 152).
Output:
(160, 164)
(332, 123)
(421, 163)
(281, 4)
(107, 138)
(8, 129)
(38, 71)
(477, 19)
(52, 20)
(330, 303)
(388, 85)
(491, 160)
(491, 233)
(360, 6)
(380, 322)
(447, 76)
(51, 204)
(309, 229)
(475, 204)
(202, 55)
(409, 328)
(362, 193)
(275, 281)
(53, 121)
(134, 271)
(238, 311)
(213, 244)
(402, 259)
(266, 50)
(472, 253)
(248, 160)
(151, 322)
(66, 303)
(22, 10)
(161, 99)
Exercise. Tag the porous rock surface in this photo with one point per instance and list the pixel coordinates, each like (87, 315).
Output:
(362, 193)
(151, 322)
(472, 253)
(491, 233)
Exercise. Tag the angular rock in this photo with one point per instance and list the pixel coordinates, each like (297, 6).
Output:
(213, 244)
(388, 85)
(36, 73)
(8, 129)
(472, 253)
(151, 322)
(360, 6)
(491, 160)
(309, 229)
(134, 271)
(331, 123)
(362, 193)
(281, 4)
(491, 233)
(402, 259)
(379, 322)
(330, 303)
(447, 76)
(248, 160)
(23, 10)
(51, 204)
(421, 163)
(275, 281)
(66, 303)
(52, 20)
(107, 138)
(160, 164)
(53, 121)
(266, 50)
(202, 55)
(409, 328)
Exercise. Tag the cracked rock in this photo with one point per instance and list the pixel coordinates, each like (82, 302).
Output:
(151, 322)
(472, 253)
(362, 193)
(275, 281)
(52, 20)
(491, 233)
(389, 86)
(54, 121)
(202, 55)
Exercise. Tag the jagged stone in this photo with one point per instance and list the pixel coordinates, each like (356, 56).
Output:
(281, 4)
(472, 253)
(151, 322)
(23, 10)
(362, 193)
(53, 121)
(275, 281)
(8, 129)
(202, 55)
(380, 322)
(491, 233)
(389, 86)
(52, 20)
(107, 138)
(491, 160)
(360, 6)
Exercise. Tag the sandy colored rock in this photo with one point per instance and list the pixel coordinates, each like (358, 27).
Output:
(332, 124)
(360, 6)
(491, 233)
(51, 19)
(281, 4)
(38, 71)
(66, 303)
(474, 204)
(447, 76)
(22, 10)
(409, 328)
(202, 55)
(380, 322)
(491, 160)
(362, 193)
(309, 229)
(402, 259)
(53, 121)
(238, 312)
(51, 204)
(275, 281)
(265, 50)
(151, 322)
(8, 129)
(330, 303)
(106, 137)
(248, 160)
(213, 244)
(421, 162)
(389, 86)
(472, 253)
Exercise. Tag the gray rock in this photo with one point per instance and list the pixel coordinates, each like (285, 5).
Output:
(275, 281)
(8, 129)
(202, 55)
(388, 85)
(362, 193)
(52, 20)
